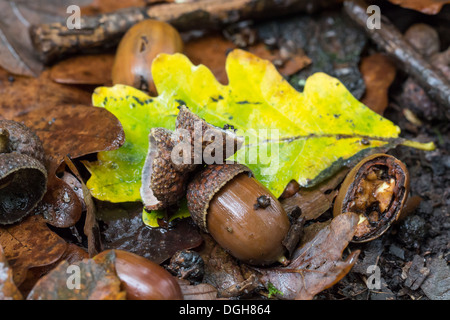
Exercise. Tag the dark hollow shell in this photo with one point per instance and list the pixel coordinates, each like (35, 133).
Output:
(23, 183)
(348, 193)
(162, 185)
(205, 185)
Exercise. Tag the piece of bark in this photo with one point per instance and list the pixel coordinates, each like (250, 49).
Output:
(55, 40)
(393, 43)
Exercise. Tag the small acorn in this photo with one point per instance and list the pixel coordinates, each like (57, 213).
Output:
(138, 48)
(241, 214)
(376, 189)
(143, 279)
(23, 176)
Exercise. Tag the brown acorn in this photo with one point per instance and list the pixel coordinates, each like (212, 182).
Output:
(241, 214)
(138, 48)
(23, 177)
(376, 189)
(143, 279)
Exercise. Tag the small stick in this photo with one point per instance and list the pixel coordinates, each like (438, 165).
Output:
(55, 40)
(390, 39)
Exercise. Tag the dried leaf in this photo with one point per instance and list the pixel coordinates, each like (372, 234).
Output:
(69, 130)
(19, 95)
(202, 291)
(318, 264)
(129, 233)
(98, 281)
(17, 54)
(316, 200)
(424, 6)
(30, 244)
(93, 69)
(223, 271)
(378, 72)
(8, 289)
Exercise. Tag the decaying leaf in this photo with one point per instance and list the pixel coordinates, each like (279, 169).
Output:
(314, 201)
(378, 72)
(129, 233)
(93, 69)
(202, 291)
(98, 281)
(8, 289)
(317, 264)
(30, 244)
(304, 136)
(69, 130)
(224, 272)
(424, 6)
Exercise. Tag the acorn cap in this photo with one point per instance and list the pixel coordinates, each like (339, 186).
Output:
(194, 125)
(21, 139)
(205, 185)
(23, 183)
(162, 185)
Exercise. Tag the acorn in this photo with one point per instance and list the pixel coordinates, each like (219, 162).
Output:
(240, 213)
(23, 176)
(138, 48)
(143, 279)
(376, 189)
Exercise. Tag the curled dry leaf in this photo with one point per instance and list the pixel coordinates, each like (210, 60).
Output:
(8, 289)
(316, 265)
(98, 281)
(30, 244)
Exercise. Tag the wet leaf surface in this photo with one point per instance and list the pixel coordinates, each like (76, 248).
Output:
(8, 289)
(129, 233)
(30, 244)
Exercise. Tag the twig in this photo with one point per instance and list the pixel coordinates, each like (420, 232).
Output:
(389, 38)
(52, 41)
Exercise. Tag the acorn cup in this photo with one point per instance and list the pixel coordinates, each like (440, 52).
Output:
(23, 177)
(241, 214)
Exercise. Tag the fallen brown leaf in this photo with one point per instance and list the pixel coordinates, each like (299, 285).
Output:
(74, 130)
(8, 289)
(378, 72)
(98, 281)
(28, 244)
(318, 264)
(315, 201)
(19, 95)
(212, 51)
(92, 69)
(424, 6)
